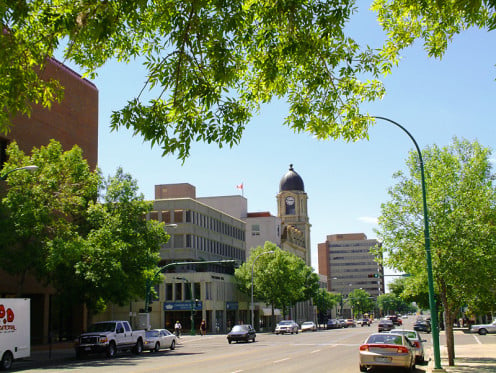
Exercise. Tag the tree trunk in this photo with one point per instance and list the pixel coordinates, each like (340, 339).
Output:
(448, 327)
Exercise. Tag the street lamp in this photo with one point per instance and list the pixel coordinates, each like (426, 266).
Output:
(430, 279)
(252, 267)
(192, 332)
(28, 168)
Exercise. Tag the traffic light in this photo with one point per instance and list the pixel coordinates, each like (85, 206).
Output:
(375, 275)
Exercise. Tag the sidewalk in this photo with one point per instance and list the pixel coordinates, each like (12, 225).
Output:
(473, 358)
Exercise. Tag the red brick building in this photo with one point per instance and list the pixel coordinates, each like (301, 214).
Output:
(73, 121)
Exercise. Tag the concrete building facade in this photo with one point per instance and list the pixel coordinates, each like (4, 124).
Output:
(347, 262)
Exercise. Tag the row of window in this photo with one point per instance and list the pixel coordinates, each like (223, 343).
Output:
(214, 225)
(352, 257)
(197, 218)
(192, 241)
(183, 291)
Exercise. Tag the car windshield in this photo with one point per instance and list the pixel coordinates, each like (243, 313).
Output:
(408, 333)
(151, 333)
(240, 328)
(102, 327)
(385, 339)
(285, 323)
(307, 323)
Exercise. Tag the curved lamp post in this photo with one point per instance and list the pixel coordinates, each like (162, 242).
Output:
(28, 168)
(432, 303)
(252, 267)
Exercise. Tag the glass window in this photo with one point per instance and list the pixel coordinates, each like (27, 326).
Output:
(197, 291)
(255, 230)
(188, 216)
(166, 216)
(178, 216)
(153, 215)
(168, 292)
(179, 291)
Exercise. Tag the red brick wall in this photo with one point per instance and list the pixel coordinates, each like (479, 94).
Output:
(73, 121)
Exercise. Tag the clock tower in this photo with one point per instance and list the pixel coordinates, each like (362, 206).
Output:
(292, 210)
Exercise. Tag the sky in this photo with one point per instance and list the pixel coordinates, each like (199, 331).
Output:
(345, 182)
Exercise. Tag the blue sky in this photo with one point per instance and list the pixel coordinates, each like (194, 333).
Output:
(345, 182)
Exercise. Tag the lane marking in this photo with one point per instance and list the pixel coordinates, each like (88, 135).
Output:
(314, 351)
(238, 371)
(280, 361)
(477, 339)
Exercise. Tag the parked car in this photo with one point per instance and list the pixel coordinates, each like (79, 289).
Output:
(364, 322)
(483, 329)
(333, 324)
(110, 337)
(244, 332)
(156, 339)
(308, 326)
(287, 326)
(385, 325)
(342, 323)
(350, 323)
(422, 326)
(416, 339)
(387, 350)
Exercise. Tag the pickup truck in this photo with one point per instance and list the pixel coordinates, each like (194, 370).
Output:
(110, 337)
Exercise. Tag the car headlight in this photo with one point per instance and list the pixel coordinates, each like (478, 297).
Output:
(103, 340)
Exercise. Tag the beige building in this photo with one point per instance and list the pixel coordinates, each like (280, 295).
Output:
(347, 262)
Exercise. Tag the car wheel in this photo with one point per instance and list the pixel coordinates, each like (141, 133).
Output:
(157, 347)
(173, 345)
(482, 331)
(253, 339)
(138, 348)
(7, 360)
(363, 368)
(229, 341)
(297, 332)
(111, 350)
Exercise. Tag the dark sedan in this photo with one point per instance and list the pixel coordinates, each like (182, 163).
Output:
(422, 326)
(333, 324)
(243, 332)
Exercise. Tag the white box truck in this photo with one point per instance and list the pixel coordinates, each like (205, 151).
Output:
(15, 330)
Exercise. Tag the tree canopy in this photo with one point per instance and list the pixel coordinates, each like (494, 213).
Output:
(210, 64)
(67, 226)
(434, 22)
(280, 278)
(461, 199)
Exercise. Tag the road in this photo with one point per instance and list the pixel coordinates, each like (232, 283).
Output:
(322, 351)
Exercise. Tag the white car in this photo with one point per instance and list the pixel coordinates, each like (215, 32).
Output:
(308, 326)
(483, 329)
(156, 339)
(286, 326)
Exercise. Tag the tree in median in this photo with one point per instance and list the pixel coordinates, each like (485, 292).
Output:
(461, 201)
(360, 302)
(280, 279)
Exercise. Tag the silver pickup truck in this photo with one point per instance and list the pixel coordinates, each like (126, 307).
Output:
(110, 337)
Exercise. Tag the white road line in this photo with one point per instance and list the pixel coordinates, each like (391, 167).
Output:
(477, 339)
(314, 351)
(238, 371)
(280, 361)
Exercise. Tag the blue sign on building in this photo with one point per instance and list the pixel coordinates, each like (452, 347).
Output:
(231, 306)
(183, 306)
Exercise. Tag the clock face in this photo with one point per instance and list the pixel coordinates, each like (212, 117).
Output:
(290, 201)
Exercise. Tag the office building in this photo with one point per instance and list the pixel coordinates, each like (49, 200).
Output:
(347, 262)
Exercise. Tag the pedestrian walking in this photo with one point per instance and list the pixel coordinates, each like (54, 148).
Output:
(177, 329)
(203, 328)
